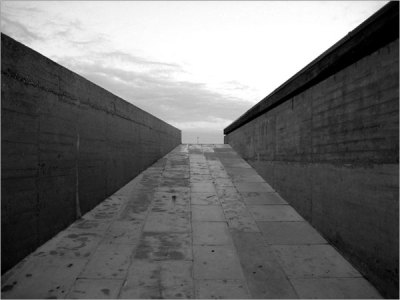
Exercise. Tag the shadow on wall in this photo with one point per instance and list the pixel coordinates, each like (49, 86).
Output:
(67, 144)
(328, 141)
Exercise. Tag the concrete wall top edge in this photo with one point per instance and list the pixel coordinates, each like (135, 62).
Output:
(375, 32)
(118, 104)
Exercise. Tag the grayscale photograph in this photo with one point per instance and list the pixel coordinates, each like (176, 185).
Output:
(199, 149)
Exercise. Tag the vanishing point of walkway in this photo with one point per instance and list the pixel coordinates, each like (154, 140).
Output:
(199, 223)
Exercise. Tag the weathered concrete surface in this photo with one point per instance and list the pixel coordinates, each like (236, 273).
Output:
(211, 241)
(66, 144)
(328, 141)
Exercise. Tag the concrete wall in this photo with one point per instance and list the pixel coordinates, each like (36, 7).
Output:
(331, 150)
(64, 140)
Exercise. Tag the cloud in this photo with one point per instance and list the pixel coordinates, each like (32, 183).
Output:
(181, 102)
(18, 30)
(135, 59)
(162, 88)
(189, 106)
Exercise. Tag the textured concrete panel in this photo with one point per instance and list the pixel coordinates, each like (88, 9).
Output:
(327, 141)
(77, 142)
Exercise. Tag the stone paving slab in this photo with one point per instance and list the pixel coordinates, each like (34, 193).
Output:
(123, 232)
(253, 187)
(43, 277)
(199, 223)
(200, 178)
(290, 233)
(202, 187)
(274, 213)
(216, 262)
(265, 276)
(307, 261)
(259, 198)
(335, 288)
(158, 279)
(178, 221)
(211, 233)
(71, 244)
(95, 289)
(204, 199)
(221, 289)
(170, 202)
(239, 172)
(223, 182)
(110, 261)
(165, 246)
(207, 213)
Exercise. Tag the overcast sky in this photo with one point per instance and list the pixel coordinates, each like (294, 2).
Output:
(196, 65)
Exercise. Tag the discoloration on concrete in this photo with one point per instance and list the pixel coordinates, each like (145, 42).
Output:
(221, 289)
(71, 243)
(109, 261)
(159, 279)
(164, 246)
(95, 289)
(123, 232)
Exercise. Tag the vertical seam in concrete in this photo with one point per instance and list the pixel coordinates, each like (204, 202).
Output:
(37, 178)
(107, 156)
(78, 213)
(77, 203)
(191, 224)
(312, 160)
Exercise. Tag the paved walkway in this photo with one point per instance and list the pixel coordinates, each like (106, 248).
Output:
(199, 223)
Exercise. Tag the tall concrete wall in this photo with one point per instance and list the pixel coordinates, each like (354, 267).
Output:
(67, 144)
(328, 141)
